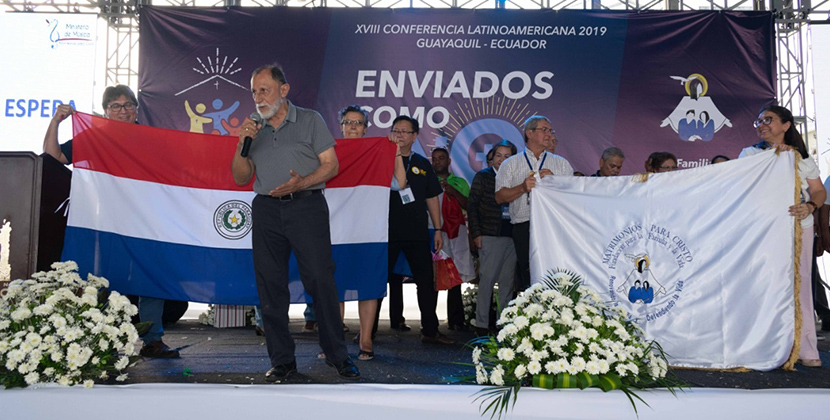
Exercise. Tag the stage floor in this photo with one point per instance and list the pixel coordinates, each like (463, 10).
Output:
(221, 375)
(238, 356)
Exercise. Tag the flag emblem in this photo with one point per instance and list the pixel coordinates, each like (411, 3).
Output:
(232, 219)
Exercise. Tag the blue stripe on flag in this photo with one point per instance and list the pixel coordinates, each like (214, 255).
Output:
(216, 275)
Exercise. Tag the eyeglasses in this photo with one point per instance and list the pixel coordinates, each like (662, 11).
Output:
(353, 123)
(667, 168)
(762, 121)
(129, 106)
(401, 132)
(544, 130)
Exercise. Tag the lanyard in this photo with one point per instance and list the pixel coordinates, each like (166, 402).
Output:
(544, 156)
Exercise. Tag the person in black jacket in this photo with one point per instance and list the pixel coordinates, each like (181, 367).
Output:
(491, 231)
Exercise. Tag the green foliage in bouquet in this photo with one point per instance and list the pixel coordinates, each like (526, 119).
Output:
(60, 328)
(560, 334)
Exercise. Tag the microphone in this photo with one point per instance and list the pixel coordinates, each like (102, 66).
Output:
(246, 143)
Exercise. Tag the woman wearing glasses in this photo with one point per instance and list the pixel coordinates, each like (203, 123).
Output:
(663, 162)
(775, 126)
(119, 104)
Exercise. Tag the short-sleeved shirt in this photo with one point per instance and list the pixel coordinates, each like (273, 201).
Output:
(294, 145)
(66, 149)
(408, 222)
(807, 169)
(515, 170)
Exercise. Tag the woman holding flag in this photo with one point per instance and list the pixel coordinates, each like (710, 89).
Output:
(776, 127)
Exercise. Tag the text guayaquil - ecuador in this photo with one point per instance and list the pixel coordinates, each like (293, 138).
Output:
(415, 84)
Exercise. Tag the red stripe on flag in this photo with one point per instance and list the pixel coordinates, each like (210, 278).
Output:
(151, 154)
(198, 160)
(364, 161)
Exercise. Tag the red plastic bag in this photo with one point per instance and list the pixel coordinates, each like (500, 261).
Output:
(446, 273)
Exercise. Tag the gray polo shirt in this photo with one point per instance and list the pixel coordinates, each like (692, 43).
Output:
(295, 145)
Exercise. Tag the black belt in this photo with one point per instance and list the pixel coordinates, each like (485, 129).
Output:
(296, 195)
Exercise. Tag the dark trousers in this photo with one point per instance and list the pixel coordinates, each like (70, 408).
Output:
(455, 307)
(302, 226)
(419, 257)
(521, 240)
(820, 298)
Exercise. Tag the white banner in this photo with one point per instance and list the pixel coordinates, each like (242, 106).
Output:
(703, 257)
(48, 60)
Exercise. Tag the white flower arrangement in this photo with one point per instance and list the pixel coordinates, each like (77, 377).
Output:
(60, 328)
(208, 317)
(560, 334)
(469, 297)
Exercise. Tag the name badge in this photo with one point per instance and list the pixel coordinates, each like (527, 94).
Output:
(406, 195)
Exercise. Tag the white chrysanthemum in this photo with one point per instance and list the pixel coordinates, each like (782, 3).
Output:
(34, 339)
(43, 310)
(580, 333)
(577, 365)
(534, 367)
(603, 366)
(534, 309)
(481, 375)
(88, 383)
(16, 355)
(549, 294)
(476, 354)
(121, 378)
(525, 347)
(592, 333)
(32, 378)
(64, 380)
(597, 321)
(539, 355)
(4, 324)
(520, 371)
(517, 302)
(49, 372)
(57, 321)
(557, 350)
(497, 376)
(592, 368)
(510, 329)
(506, 354)
(73, 334)
(99, 281)
(521, 322)
(21, 314)
(539, 331)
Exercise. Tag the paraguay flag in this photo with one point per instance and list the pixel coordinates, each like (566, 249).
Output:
(157, 213)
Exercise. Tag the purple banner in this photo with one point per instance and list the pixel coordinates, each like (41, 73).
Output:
(684, 82)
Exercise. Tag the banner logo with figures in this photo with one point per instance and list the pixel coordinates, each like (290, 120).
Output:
(646, 283)
(214, 116)
(696, 117)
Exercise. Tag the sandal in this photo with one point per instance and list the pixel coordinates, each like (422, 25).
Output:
(813, 363)
(365, 355)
